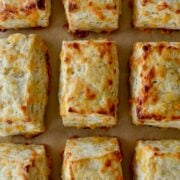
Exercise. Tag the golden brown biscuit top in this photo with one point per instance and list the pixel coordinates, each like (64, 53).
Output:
(157, 14)
(95, 157)
(90, 77)
(19, 161)
(158, 87)
(14, 8)
(92, 15)
(23, 84)
(157, 160)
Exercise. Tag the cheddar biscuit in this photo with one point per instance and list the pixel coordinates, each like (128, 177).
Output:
(88, 92)
(19, 161)
(92, 15)
(23, 85)
(92, 157)
(157, 160)
(15, 14)
(163, 14)
(155, 84)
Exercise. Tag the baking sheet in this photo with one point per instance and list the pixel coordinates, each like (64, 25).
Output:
(56, 135)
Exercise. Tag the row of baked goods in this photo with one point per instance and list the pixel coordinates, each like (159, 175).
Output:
(90, 77)
(88, 90)
(90, 15)
(92, 157)
(88, 85)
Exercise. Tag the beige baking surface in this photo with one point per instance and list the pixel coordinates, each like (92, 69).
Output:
(56, 135)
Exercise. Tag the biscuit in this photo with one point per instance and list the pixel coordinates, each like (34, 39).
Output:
(164, 14)
(15, 14)
(157, 160)
(92, 15)
(155, 84)
(88, 92)
(95, 157)
(23, 85)
(19, 161)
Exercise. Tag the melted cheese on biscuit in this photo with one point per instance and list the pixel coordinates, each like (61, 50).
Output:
(93, 157)
(157, 160)
(23, 85)
(24, 13)
(157, 14)
(20, 162)
(155, 84)
(92, 15)
(88, 93)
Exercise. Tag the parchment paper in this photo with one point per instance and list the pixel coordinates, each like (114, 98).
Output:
(56, 135)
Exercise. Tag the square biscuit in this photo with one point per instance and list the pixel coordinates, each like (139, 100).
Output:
(155, 84)
(19, 161)
(23, 85)
(88, 92)
(15, 14)
(158, 159)
(164, 14)
(92, 15)
(92, 157)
